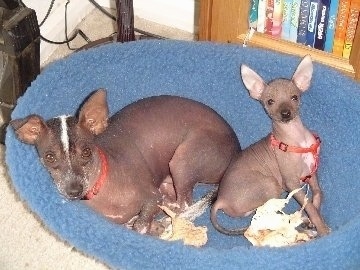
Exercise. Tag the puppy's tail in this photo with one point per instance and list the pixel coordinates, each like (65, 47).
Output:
(220, 228)
(198, 208)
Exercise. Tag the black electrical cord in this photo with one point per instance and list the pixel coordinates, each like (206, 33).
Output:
(104, 11)
(47, 13)
(78, 31)
(67, 39)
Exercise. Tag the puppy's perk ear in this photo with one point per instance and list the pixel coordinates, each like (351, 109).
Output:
(303, 74)
(94, 113)
(252, 81)
(29, 129)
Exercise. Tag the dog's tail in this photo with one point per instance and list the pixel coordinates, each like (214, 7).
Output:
(198, 208)
(213, 217)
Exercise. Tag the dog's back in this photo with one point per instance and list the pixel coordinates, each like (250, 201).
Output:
(157, 126)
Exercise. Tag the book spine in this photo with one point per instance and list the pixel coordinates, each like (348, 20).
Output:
(285, 31)
(322, 21)
(277, 18)
(294, 20)
(303, 21)
(269, 17)
(261, 16)
(312, 23)
(340, 28)
(253, 15)
(351, 27)
(330, 31)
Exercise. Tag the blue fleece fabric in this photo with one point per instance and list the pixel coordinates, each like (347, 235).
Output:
(208, 73)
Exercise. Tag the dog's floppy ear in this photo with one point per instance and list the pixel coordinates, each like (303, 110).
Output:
(30, 128)
(303, 73)
(252, 81)
(94, 113)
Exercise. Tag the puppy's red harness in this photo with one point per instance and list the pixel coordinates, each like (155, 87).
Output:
(102, 177)
(313, 149)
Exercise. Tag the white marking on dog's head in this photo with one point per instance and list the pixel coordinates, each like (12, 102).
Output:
(64, 136)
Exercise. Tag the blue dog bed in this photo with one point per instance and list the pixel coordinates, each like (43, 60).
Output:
(208, 73)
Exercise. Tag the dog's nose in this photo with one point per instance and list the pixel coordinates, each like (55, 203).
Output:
(74, 190)
(285, 114)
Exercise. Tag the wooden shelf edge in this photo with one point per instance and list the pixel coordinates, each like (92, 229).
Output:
(265, 41)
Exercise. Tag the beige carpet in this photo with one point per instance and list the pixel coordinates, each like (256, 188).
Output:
(25, 241)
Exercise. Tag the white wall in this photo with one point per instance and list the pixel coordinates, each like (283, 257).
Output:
(179, 14)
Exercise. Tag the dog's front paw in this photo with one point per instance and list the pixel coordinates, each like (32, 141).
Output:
(141, 227)
(323, 230)
(156, 228)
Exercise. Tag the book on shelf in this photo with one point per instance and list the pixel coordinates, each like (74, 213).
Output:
(294, 20)
(303, 21)
(340, 28)
(277, 18)
(327, 25)
(352, 23)
(253, 16)
(269, 13)
(261, 16)
(330, 31)
(322, 23)
(285, 31)
(312, 23)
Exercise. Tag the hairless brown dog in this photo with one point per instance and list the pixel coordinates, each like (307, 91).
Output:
(283, 161)
(151, 152)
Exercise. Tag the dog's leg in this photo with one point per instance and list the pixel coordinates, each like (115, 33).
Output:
(312, 212)
(240, 196)
(316, 191)
(203, 156)
(143, 224)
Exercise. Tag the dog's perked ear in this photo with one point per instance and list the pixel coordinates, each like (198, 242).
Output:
(303, 73)
(94, 113)
(29, 129)
(252, 81)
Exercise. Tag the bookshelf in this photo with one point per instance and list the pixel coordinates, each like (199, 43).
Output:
(227, 21)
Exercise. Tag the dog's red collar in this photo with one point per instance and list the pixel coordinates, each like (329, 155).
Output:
(313, 149)
(100, 181)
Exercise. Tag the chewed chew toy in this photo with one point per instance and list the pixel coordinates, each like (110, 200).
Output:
(180, 228)
(270, 226)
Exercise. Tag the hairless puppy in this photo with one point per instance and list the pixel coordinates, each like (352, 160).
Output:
(284, 160)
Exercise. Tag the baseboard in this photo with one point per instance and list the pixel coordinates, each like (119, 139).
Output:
(54, 27)
(180, 14)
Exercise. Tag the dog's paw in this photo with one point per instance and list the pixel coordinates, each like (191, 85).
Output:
(141, 227)
(156, 228)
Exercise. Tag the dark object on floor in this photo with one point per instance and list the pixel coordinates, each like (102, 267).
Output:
(20, 55)
(125, 27)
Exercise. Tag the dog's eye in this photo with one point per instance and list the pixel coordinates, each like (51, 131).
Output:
(294, 98)
(50, 158)
(270, 101)
(86, 152)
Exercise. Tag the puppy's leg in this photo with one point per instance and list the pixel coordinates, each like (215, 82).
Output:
(312, 212)
(316, 191)
(241, 194)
